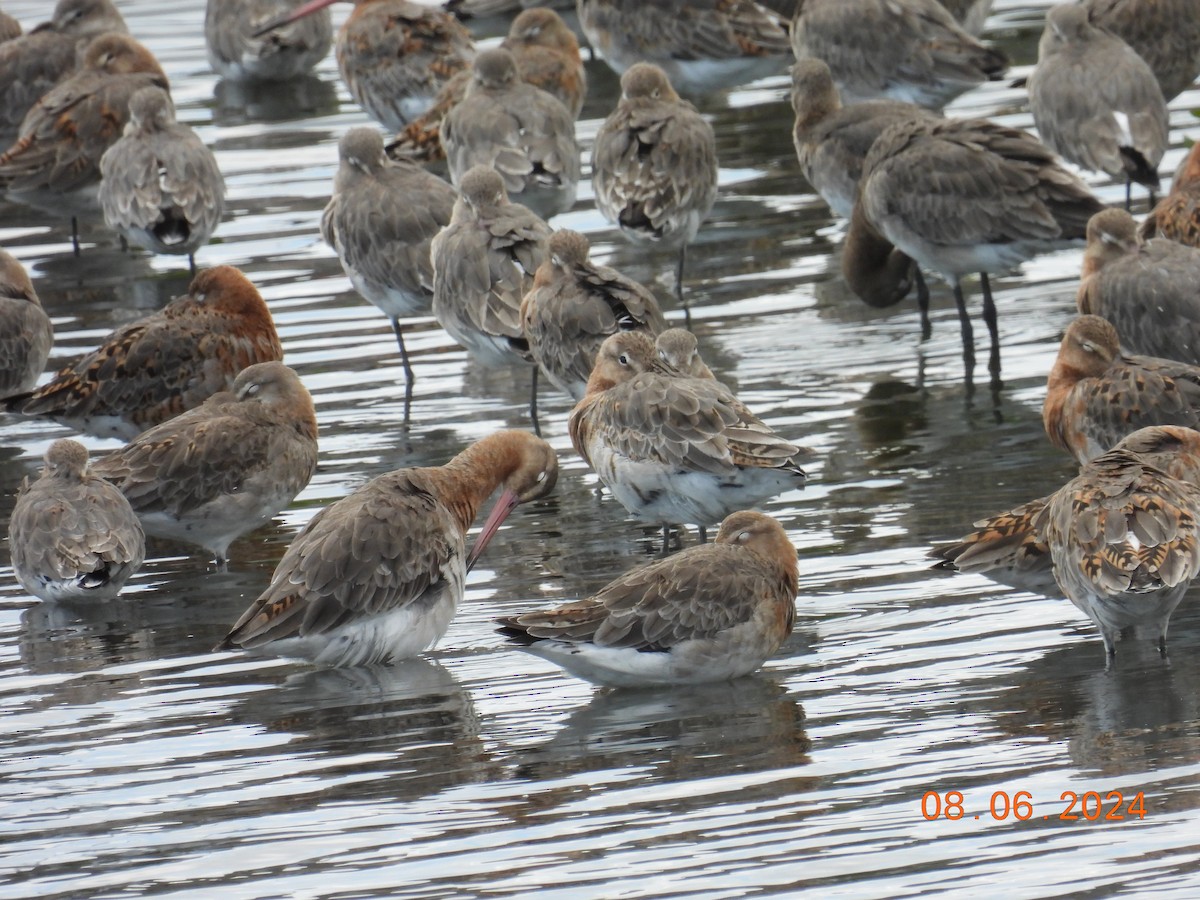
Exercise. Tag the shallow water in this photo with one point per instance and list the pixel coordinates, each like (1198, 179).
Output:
(135, 762)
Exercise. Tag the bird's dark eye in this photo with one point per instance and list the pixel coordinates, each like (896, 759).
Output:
(623, 359)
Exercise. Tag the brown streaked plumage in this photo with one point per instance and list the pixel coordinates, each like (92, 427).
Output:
(654, 164)
(213, 473)
(72, 535)
(234, 52)
(1177, 215)
(66, 132)
(710, 613)
(1124, 535)
(38, 61)
(376, 576)
(672, 448)
(1006, 548)
(910, 50)
(547, 56)
(521, 131)
(677, 347)
(394, 55)
(574, 305)
(1121, 539)
(483, 264)
(381, 220)
(1097, 395)
(26, 334)
(1148, 291)
(832, 140)
(160, 186)
(1165, 33)
(158, 366)
(960, 196)
(1096, 102)
(701, 45)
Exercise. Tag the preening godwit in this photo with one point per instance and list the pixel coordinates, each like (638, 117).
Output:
(961, 196)
(1165, 33)
(910, 50)
(709, 613)
(547, 56)
(36, 62)
(701, 45)
(381, 219)
(673, 448)
(72, 535)
(521, 131)
(1122, 537)
(394, 55)
(654, 164)
(574, 305)
(160, 186)
(1096, 102)
(1096, 395)
(155, 368)
(26, 334)
(226, 467)
(376, 576)
(234, 52)
(1148, 291)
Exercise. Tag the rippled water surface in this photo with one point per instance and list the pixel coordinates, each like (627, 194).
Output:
(135, 762)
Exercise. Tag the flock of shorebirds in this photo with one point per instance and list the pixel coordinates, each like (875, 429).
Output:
(222, 435)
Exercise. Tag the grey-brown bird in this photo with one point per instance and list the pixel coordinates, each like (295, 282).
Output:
(394, 55)
(521, 131)
(654, 164)
(960, 196)
(832, 139)
(1096, 395)
(1095, 102)
(679, 350)
(546, 52)
(213, 473)
(911, 50)
(160, 185)
(26, 334)
(237, 53)
(1165, 33)
(37, 61)
(55, 160)
(72, 535)
(673, 448)
(160, 365)
(377, 576)
(702, 45)
(1121, 539)
(483, 265)
(1147, 290)
(709, 613)
(574, 305)
(381, 220)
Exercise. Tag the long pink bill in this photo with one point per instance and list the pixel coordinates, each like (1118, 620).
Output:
(298, 13)
(506, 503)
